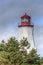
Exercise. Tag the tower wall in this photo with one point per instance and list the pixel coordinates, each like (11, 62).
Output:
(27, 32)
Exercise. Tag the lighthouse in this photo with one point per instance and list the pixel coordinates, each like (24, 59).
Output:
(26, 30)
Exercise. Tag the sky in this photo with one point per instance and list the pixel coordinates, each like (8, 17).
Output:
(10, 13)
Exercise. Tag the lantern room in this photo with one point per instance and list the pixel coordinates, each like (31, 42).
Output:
(25, 20)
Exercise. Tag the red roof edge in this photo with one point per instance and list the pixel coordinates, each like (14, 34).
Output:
(25, 25)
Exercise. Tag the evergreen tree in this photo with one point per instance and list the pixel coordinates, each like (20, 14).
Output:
(14, 52)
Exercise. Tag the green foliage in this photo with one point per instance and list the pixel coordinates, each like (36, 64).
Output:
(13, 45)
(13, 52)
(41, 60)
(24, 43)
(33, 58)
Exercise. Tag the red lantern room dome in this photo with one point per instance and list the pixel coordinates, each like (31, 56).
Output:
(25, 16)
(25, 21)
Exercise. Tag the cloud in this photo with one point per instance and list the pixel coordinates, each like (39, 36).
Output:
(38, 35)
(7, 33)
(12, 10)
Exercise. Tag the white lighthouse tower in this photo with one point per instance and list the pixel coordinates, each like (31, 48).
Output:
(26, 30)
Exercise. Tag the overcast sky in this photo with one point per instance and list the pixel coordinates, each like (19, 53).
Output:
(10, 13)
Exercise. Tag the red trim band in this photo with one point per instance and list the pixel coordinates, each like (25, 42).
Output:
(25, 25)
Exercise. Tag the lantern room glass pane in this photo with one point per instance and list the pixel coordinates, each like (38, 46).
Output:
(25, 20)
